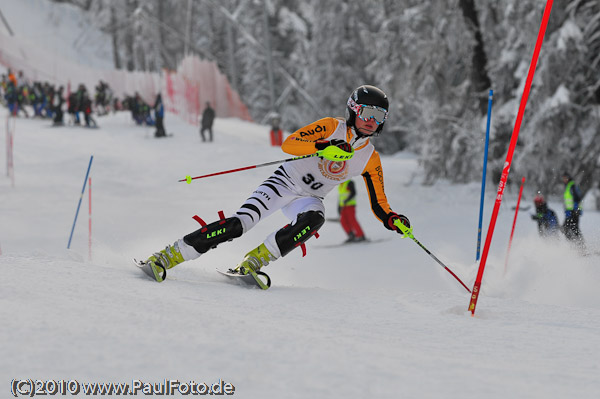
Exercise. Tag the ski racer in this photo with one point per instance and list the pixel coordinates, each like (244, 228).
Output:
(298, 188)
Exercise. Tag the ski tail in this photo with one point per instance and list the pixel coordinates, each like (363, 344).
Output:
(154, 270)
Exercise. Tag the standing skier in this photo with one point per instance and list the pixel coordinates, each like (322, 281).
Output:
(298, 188)
(57, 103)
(159, 114)
(572, 199)
(208, 117)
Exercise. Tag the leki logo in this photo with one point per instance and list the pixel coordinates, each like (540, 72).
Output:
(302, 233)
(215, 233)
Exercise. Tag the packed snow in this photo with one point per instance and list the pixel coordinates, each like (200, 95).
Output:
(379, 320)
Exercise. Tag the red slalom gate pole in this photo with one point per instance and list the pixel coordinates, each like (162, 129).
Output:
(512, 232)
(511, 149)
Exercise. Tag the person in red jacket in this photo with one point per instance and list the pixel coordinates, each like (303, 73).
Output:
(298, 188)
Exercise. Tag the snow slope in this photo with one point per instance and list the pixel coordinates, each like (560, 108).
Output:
(375, 320)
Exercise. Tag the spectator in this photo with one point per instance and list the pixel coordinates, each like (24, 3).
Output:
(347, 209)
(208, 116)
(76, 103)
(3, 86)
(102, 98)
(573, 210)
(159, 113)
(12, 78)
(36, 97)
(86, 107)
(22, 99)
(57, 103)
(11, 97)
(73, 108)
(23, 81)
(276, 133)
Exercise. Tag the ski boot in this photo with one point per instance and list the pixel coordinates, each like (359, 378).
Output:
(252, 263)
(351, 238)
(254, 260)
(158, 263)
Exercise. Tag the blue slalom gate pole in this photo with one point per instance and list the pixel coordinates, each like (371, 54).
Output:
(80, 198)
(485, 157)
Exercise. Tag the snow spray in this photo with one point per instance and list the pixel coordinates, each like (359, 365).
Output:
(511, 149)
(512, 232)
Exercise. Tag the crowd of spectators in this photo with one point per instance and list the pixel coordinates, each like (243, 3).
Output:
(45, 100)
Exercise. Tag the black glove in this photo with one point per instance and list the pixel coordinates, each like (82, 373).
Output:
(392, 217)
(341, 144)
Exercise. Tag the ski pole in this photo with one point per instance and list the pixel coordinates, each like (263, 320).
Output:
(189, 179)
(407, 231)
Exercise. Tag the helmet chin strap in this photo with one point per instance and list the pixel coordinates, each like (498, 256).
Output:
(358, 138)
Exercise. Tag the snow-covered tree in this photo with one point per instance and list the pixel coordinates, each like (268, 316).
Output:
(436, 60)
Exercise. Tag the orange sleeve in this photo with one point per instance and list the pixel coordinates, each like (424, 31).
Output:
(373, 176)
(302, 141)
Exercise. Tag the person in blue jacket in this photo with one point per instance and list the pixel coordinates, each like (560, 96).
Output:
(159, 114)
(546, 218)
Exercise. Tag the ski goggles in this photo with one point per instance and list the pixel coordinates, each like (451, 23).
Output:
(366, 112)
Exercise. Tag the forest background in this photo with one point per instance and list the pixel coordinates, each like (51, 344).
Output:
(436, 61)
